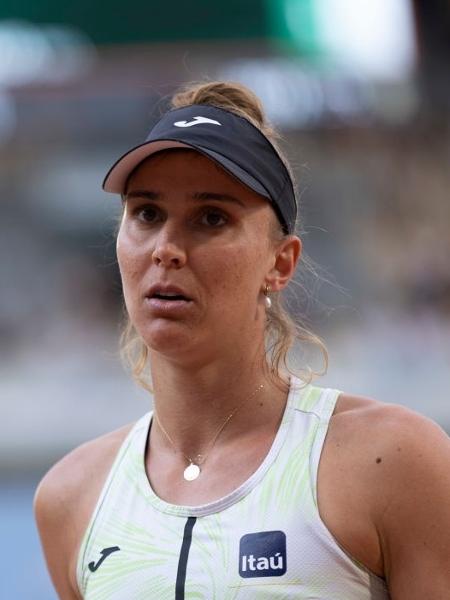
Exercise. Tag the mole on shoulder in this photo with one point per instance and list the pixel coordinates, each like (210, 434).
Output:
(378, 460)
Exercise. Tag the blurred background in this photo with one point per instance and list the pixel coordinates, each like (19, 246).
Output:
(361, 94)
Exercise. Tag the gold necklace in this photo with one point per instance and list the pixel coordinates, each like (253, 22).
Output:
(192, 471)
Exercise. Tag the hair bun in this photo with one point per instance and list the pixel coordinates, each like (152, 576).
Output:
(228, 95)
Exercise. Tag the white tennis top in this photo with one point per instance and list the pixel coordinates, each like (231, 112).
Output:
(265, 540)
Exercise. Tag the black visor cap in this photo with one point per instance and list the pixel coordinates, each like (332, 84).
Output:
(228, 139)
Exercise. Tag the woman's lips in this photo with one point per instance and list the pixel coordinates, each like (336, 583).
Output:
(166, 290)
(168, 307)
(165, 299)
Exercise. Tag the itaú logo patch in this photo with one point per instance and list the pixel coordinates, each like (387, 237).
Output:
(262, 554)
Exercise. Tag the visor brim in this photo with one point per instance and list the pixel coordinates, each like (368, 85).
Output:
(117, 177)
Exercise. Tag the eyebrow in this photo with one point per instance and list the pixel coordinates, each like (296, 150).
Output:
(200, 196)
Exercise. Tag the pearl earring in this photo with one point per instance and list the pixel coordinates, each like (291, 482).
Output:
(267, 299)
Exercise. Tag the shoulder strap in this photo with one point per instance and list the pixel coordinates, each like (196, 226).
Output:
(323, 409)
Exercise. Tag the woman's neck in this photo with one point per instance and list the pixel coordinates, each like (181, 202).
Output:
(192, 404)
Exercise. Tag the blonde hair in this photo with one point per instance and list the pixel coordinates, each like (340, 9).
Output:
(283, 331)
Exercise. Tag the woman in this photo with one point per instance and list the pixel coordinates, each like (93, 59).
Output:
(218, 492)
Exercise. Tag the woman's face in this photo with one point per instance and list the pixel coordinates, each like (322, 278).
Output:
(195, 251)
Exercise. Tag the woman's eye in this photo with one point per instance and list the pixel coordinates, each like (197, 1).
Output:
(213, 218)
(148, 214)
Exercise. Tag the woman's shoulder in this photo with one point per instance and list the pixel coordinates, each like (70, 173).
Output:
(398, 464)
(65, 499)
(392, 450)
(385, 420)
(387, 455)
(382, 427)
(82, 468)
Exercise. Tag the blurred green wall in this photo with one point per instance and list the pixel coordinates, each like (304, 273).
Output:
(142, 21)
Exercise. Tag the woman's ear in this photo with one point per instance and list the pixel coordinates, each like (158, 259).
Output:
(287, 255)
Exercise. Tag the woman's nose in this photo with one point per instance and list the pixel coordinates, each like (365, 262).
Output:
(167, 252)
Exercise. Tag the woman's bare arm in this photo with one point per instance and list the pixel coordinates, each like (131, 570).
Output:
(64, 502)
(414, 524)
(53, 508)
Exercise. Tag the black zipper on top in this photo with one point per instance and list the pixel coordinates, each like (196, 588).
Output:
(184, 554)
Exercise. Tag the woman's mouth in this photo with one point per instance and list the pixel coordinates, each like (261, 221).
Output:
(165, 300)
(169, 296)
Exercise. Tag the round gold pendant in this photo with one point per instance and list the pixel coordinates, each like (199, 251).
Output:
(191, 472)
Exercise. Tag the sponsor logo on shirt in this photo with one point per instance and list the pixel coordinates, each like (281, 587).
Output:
(93, 566)
(263, 554)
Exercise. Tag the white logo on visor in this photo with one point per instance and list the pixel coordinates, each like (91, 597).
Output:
(196, 121)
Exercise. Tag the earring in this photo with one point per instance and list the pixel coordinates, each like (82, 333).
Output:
(267, 299)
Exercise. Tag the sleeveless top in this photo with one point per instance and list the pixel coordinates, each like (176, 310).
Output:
(264, 540)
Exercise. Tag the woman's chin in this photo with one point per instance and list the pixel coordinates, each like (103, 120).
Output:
(170, 338)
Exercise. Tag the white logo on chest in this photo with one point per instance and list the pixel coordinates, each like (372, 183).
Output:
(262, 563)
